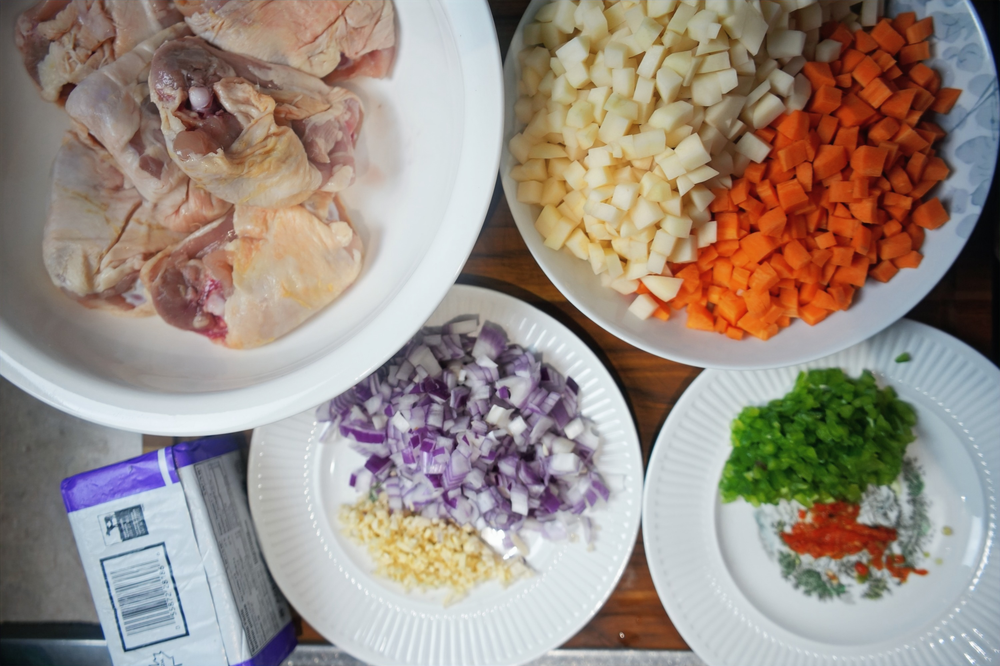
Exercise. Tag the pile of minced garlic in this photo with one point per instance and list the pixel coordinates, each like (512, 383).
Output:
(426, 553)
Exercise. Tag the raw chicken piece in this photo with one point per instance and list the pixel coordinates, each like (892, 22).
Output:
(250, 132)
(62, 41)
(114, 105)
(321, 37)
(99, 231)
(253, 276)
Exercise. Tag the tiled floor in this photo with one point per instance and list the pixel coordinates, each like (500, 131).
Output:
(41, 579)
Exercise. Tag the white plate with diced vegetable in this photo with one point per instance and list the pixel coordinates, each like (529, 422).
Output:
(300, 481)
(605, 202)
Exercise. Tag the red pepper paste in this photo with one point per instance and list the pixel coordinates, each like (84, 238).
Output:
(832, 530)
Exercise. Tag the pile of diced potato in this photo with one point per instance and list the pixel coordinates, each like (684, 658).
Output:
(635, 111)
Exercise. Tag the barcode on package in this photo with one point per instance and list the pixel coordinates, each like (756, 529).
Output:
(144, 597)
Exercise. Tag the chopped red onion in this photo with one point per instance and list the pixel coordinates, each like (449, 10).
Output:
(474, 429)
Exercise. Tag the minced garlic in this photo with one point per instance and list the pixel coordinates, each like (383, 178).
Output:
(427, 553)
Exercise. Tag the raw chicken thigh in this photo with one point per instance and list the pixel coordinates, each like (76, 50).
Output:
(321, 37)
(256, 274)
(250, 132)
(114, 105)
(62, 42)
(99, 231)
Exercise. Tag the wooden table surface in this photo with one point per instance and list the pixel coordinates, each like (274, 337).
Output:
(962, 305)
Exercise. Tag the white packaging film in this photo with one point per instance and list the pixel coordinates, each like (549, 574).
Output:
(173, 562)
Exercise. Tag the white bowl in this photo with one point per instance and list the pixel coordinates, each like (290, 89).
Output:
(428, 156)
(963, 57)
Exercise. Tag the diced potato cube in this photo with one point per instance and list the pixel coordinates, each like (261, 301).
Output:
(701, 174)
(683, 14)
(767, 109)
(522, 110)
(577, 74)
(530, 170)
(574, 51)
(604, 212)
(729, 79)
(645, 213)
(701, 197)
(707, 233)
(625, 195)
(623, 286)
(622, 106)
(684, 184)
(663, 287)
(557, 166)
(781, 82)
(533, 33)
(615, 15)
(597, 261)
(646, 33)
(615, 55)
(672, 166)
(672, 206)
(651, 61)
(598, 97)
(691, 153)
(530, 192)
(556, 66)
(546, 151)
(702, 26)
(654, 188)
(613, 263)
(546, 13)
(623, 81)
(598, 176)
(614, 127)
(706, 90)
(658, 8)
(649, 143)
(562, 91)
(799, 97)
(547, 220)
(587, 136)
(715, 62)
(672, 116)
(677, 226)
(685, 251)
(668, 83)
(603, 193)
(635, 269)
(572, 205)
(590, 18)
(828, 50)
(553, 192)
(599, 157)
(785, 43)
(564, 18)
(663, 243)
(656, 262)
(560, 232)
(575, 175)
(579, 244)
(600, 73)
(680, 62)
(519, 146)
(644, 89)
(643, 306)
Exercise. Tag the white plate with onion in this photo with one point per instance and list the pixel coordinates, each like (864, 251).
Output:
(297, 484)
(427, 156)
(960, 53)
(710, 560)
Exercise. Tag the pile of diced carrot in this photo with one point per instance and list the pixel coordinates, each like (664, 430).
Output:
(839, 198)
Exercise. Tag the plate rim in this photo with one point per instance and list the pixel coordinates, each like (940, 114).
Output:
(801, 653)
(634, 450)
(853, 335)
(203, 412)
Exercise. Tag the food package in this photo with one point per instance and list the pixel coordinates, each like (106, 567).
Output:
(173, 562)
